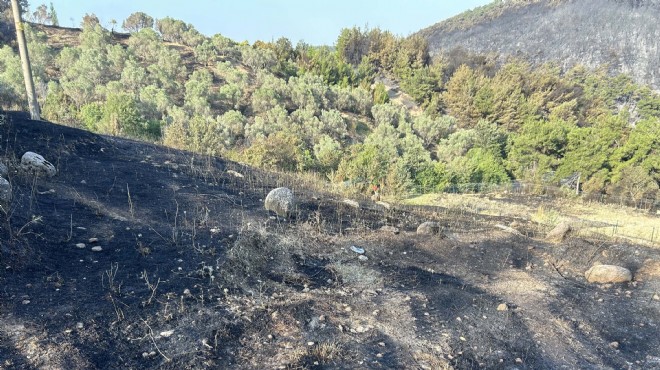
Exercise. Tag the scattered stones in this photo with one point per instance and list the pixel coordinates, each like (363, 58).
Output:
(608, 274)
(390, 229)
(36, 164)
(503, 307)
(5, 190)
(357, 249)
(97, 249)
(351, 203)
(281, 201)
(80, 245)
(235, 174)
(559, 232)
(428, 228)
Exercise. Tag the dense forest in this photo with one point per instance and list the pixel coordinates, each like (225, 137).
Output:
(321, 108)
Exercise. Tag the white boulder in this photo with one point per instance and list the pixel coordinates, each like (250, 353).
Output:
(35, 163)
(280, 201)
(606, 274)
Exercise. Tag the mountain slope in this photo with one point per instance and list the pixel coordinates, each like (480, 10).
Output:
(620, 34)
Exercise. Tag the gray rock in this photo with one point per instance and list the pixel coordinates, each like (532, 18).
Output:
(281, 201)
(36, 164)
(351, 203)
(384, 205)
(390, 229)
(5, 190)
(235, 174)
(605, 274)
(559, 232)
(357, 250)
(428, 228)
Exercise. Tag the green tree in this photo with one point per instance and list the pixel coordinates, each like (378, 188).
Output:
(380, 94)
(537, 149)
(137, 21)
(121, 116)
(53, 16)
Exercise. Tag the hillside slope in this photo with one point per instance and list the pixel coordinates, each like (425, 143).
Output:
(194, 273)
(620, 34)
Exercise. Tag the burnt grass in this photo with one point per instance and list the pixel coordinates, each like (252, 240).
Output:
(195, 273)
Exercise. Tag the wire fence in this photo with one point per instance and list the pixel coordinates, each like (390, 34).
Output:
(648, 203)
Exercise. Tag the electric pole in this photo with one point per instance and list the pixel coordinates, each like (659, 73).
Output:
(25, 61)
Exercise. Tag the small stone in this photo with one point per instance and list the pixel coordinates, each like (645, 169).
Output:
(166, 334)
(80, 245)
(79, 325)
(656, 297)
(428, 228)
(614, 345)
(559, 232)
(310, 343)
(390, 229)
(93, 240)
(384, 204)
(363, 258)
(97, 249)
(357, 250)
(519, 360)
(145, 354)
(5, 190)
(235, 174)
(382, 344)
(351, 203)
(26, 301)
(503, 307)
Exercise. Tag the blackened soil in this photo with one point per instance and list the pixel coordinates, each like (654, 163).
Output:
(194, 273)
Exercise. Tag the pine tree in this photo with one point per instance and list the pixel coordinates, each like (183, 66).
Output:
(53, 16)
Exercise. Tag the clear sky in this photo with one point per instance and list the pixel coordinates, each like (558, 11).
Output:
(316, 22)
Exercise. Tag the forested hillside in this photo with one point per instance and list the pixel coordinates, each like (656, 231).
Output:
(317, 109)
(618, 34)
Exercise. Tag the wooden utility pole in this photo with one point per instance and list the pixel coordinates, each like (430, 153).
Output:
(25, 61)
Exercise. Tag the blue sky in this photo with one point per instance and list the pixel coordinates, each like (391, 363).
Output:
(314, 21)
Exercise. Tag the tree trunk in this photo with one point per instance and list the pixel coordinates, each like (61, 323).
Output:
(25, 62)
